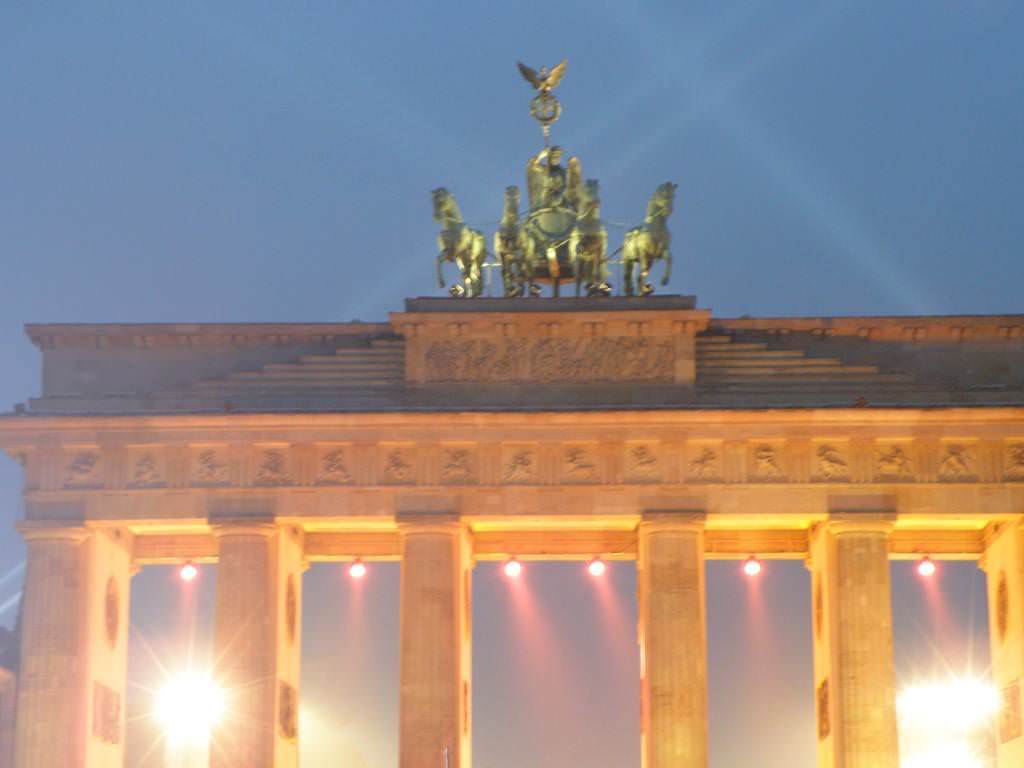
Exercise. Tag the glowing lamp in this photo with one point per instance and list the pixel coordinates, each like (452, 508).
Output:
(188, 572)
(752, 566)
(596, 567)
(358, 569)
(189, 707)
(925, 567)
(513, 568)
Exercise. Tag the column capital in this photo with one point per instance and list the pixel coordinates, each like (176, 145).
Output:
(38, 531)
(841, 523)
(415, 523)
(656, 521)
(224, 528)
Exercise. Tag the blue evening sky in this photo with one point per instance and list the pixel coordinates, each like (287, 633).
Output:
(236, 161)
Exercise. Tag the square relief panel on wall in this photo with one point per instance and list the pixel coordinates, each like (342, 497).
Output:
(145, 466)
(209, 465)
(396, 463)
(1013, 462)
(703, 461)
(458, 464)
(82, 466)
(765, 461)
(580, 463)
(894, 461)
(642, 461)
(334, 464)
(270, 464)
(519, 463)
(958, 461)
(830, 461)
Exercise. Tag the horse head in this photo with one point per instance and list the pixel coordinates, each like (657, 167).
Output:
(511, 205)
(445, 207)
(662, 201)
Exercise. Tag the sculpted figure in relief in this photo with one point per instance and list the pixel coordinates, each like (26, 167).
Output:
(83, 468)
(894, 462)
(519, 467)
(456, 465)
(705, 465)
(956, 463)
(146, 473)
(1015, 461)
(333, 468)
(766, 464)
(209, 468)
(831, 463)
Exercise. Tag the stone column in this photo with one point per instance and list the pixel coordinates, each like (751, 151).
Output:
(257, 638)
(74, 653)
(1004, 564)
(673, 641)
(854, 672)
(436, 632)
(8, 690)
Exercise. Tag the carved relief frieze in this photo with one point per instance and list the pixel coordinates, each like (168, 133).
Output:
(397, 464)
(1014, 465)
(579, 464)
(958, 463)
(642, 464)
(766, 463)
(272, 466)
(145, 469)
(334, 465)
(831, 463)
(458, 465)
(551, 360)
(210, 465)
(892, 463)
(704, 463)
(83, 469)
(519, 464)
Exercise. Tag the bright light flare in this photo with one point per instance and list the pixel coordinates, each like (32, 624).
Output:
(188, 572)
(596, 567)
(955, 755)
(955, 705)
(926, 567)
(358, 569)
(513, 568)
(188, 708)
(752, 566)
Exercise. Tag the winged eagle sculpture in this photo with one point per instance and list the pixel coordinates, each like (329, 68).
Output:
(547, 79)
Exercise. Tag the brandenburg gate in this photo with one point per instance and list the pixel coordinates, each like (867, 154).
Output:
(468, 428)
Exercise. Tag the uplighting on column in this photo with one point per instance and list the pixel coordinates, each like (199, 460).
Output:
(188, 571)
(596, 567)
(752, 566)
(926, 567)
(513, 568)
(357, 569)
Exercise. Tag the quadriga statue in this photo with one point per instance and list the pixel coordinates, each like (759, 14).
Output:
(513, 247)
(460, 244)
(648, 243)
(588, 244)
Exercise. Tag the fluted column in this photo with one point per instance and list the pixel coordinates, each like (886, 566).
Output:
(1004, 565)
(673, 642)
(854, 671)
(257, 640)
(436, 631)
(71, 687)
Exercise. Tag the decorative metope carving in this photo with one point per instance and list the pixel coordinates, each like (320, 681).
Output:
(519, 466)
(1010, 713)
(145, 473)
(705, 465)
(398, 466)
(579, 465)
(824, 720)
(273, 468)
(957, 463)
(334, 468)
(642, 463)
(831, 463)
(766, 463)
(893, 463)
(457, 465)
(551, 360)
(83, 469)
(209, 468)
(106, 714)
(288, 711)
(1015, 462)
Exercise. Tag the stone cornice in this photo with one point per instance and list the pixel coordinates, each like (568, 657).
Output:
(898, 328)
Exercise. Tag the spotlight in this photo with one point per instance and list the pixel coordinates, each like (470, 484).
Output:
(358, 569)
(188, 572)
(926, 567)
(596, 567)
(513, 568)
(752, 566)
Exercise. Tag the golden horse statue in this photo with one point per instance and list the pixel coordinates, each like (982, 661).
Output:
(460, 244)
(649, 243)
